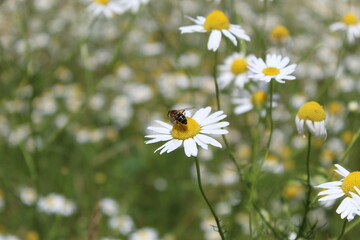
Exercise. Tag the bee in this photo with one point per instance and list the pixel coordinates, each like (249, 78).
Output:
(177, 116)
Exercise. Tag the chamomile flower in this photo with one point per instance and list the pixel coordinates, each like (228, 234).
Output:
(105, 7)
(311, 117)
(133, 5)
(348, 187)
(234, 69)
(246, 101)
(280, 33)
(351, 24)
(275, 67)
(217, 24)
(146, 233)
(194, 132)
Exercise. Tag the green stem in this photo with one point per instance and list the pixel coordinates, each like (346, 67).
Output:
(267, 151)
(352, 225)
(217, 220)
(342, 230)
(307, 204)
(356, 136)
(215, 81)
(217, 92)
(30, 163)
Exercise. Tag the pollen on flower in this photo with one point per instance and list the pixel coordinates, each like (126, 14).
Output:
(271, 71)
(312, 111)
(350, 181)
(182, 131)
(216, 20)
(280, 32)
(239, 66)
(103, 2)
(350, 19)
(258, 98)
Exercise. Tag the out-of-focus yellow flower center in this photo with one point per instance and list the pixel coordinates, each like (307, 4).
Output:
(181, 131)
(216, 20)
(239, 66)
(100, 178)
(350, 181)
(271, 71)
(347, 136)
(258, 98)
(103, 2)
(292, 191)
(335, 108)
(312, 111)
(350, 19)
(32, 236)
(280, 32)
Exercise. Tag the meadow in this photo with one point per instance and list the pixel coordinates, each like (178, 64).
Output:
(272, 109)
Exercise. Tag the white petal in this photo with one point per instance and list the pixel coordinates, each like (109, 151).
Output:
(201, 114)
(190, 147)
(160, 130)
(209, 140)
(214, 40)
(164, 124)
(334, 184)
(217, 125)
(211, 120)
(342, 171)
(215, 131)
(175, 144)
(191, 29)
(331, 197)
(200, 143)
(331, 191)
(157, 138)
(229, 36)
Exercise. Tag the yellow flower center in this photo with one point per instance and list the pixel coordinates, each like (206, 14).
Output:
(271, 71)
(350, 181)
(280, 33)
(312, 111)
(335, 108)
(216, 20)
(258, 98)
(350, 19)
(239, 66)
(292, 191)
(102, 2)
(182, 131)
(347, 136)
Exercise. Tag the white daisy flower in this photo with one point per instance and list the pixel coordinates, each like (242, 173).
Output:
(217, 24)
(311, 117)
(133, 5)
(351, 24)
(246, 101)
(275, 67)
(194, 132)
(347, 186)
(105, 7)
(234, 69)
(144, 234)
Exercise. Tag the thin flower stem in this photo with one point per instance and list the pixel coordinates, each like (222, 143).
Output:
(354, 139)
(352, 225)
(217, 92)
(217, 220)
(342, 230)
(216, 82)
(307, 204)
(271, 125)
